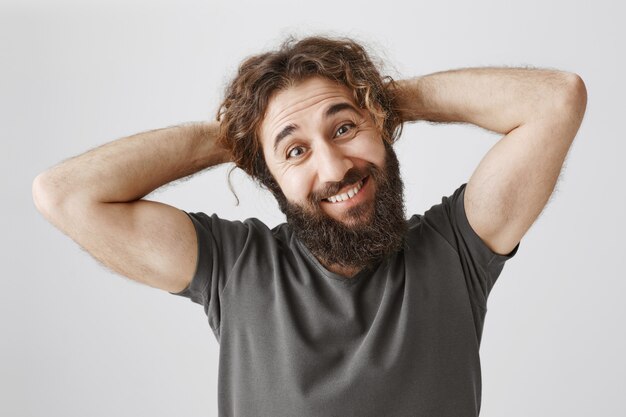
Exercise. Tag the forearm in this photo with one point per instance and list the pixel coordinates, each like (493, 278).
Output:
(127, 169)
(497, 99)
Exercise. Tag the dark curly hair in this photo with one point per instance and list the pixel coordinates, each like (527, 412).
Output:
(247, 96)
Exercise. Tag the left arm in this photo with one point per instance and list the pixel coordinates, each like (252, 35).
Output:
(539, 113)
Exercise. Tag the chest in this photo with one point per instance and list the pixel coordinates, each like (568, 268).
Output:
(404, 334)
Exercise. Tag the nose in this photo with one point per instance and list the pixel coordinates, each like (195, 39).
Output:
(332, 163)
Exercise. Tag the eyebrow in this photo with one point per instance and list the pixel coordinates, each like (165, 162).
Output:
(330, 111)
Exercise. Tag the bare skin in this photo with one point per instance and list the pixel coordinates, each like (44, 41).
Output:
(539, 113)
(322, 148)
(97, 198)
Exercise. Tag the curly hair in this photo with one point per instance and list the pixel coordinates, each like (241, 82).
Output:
(247, 96)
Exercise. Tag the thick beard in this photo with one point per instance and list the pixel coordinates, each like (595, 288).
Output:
(369, 237)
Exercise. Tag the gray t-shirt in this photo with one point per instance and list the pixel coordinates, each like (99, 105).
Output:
(298, 340)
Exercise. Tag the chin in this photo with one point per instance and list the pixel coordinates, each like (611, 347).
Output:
(361, 215)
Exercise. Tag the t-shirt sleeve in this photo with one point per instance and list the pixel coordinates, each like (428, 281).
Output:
(481, 266)
(220, 243)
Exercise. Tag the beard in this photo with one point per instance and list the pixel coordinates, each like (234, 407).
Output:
(371, 231)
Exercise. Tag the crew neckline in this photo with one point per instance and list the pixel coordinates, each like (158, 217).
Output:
(332, 275)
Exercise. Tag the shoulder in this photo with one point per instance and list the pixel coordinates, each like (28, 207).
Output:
(216, 223)
(234, 234)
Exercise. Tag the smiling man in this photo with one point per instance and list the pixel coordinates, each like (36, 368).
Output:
(331, 191)
(350, 307)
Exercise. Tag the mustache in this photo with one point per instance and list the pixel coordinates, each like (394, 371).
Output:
(353, 175)
(365, 243)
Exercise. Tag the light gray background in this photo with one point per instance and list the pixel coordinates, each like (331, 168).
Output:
(78, 340)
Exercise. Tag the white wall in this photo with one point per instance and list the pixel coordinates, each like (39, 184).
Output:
(78, 340)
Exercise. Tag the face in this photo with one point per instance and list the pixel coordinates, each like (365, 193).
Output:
(335, 179)
(318, 145)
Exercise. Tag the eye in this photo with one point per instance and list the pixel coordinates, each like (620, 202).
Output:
(295, 152)
(343, 129)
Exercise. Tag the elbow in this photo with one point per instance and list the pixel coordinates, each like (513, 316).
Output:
(42, 196)
(574, 99)
(38, 193)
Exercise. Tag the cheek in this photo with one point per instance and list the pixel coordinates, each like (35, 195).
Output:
(297, 184)
(370, 149)
(292, 180)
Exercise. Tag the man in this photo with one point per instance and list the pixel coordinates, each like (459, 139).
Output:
(349, 308)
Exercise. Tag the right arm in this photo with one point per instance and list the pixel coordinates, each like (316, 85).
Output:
(96, 199)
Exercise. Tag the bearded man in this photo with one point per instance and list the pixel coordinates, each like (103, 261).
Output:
(350, 307)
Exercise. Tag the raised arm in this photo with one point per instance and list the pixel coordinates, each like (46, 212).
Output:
(96, 199)
(538, 111)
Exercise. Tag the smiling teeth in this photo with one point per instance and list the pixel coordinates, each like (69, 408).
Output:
(347, 195)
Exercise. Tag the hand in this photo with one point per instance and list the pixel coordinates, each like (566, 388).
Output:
(406, 99)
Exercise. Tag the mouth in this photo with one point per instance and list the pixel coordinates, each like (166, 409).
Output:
(348, 194)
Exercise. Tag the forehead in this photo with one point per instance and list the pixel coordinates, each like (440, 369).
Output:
(302, 100)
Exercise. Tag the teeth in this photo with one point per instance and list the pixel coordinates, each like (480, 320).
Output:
(347, 195)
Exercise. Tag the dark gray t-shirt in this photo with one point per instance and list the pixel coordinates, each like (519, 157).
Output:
(298, 340)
